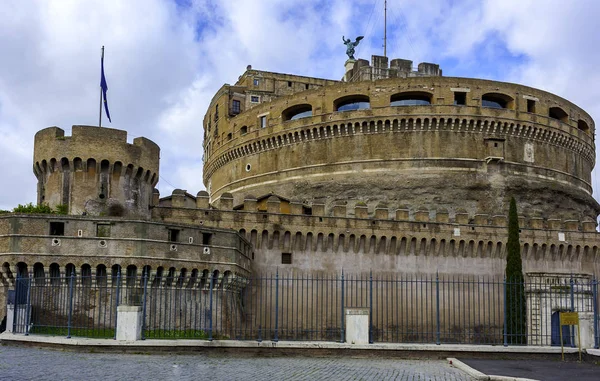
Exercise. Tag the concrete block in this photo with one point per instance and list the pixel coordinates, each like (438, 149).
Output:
(129, 323)
(22, 318)
(586, 330)
(357, 325)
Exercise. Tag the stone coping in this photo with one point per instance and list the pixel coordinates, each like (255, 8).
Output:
(7, 338)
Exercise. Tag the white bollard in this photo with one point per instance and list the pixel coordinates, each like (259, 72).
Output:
(129, 323)
(357, 325)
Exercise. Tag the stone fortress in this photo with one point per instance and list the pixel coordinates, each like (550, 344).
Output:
(389, 170)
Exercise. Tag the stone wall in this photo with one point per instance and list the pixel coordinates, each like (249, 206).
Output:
(391, 241)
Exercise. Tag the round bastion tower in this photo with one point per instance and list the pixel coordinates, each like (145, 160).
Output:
(422, 140)
(95, 171)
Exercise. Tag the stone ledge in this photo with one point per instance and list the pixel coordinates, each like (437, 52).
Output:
(62, 341)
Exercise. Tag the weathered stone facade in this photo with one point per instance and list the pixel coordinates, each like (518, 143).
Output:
(391, 171)
(464, 156)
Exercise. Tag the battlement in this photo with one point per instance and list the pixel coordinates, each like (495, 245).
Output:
(271, 208)
(381, 68)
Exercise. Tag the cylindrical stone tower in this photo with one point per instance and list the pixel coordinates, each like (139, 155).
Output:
(95, 171)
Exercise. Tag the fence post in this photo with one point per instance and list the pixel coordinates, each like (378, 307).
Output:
(15, 315)
(505, 316)
(342, 310)
(72, 280)
(144, 305)
(572, 284)
(117, 300)
(370, 307)
(437, 306)
(210, 320)
(276, 305)
(27, 318)
(596, 312)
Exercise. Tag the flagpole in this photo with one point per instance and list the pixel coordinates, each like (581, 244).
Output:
(100, 114)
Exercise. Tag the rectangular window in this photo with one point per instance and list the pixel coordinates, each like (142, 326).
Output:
(530, 105)
(254, 99)
(256, 82)
(103, 230)
(57, 228)
(173, 235)
(289, 83)
(206, 238)
(306, 86)
(235, 107)
(460, 98)
(216, 113)
(263, 121)
(286, 258)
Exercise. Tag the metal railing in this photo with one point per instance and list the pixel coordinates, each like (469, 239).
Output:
(402, 309)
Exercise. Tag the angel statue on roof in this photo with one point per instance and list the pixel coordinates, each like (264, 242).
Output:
(351, 45)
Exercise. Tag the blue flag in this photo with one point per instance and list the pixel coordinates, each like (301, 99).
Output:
(104, 88)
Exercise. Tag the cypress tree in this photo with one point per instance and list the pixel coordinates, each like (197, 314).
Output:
(516, 308)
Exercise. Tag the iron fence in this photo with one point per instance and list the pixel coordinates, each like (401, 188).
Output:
(402, 309)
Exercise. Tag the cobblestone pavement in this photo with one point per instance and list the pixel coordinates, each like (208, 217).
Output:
(43, 364)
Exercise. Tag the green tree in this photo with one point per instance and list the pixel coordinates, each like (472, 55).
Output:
(39, 209)
(31, 209)
(516, 308)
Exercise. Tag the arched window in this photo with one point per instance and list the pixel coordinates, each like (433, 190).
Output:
(411, 99)
(352, 102)
(558, 113)
(583, 126)
(495, 100)
(296, 112)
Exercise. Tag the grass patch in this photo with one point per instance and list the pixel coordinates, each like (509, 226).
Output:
(96, 333)
(180, 334)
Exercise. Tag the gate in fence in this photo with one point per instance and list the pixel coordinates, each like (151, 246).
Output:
(403, 309)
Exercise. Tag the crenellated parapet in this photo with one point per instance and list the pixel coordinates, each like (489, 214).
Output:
(351, 233)
(96, 171)
(273, 208)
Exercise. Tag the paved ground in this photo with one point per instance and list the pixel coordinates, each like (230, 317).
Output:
(43, 364)
(545, 370)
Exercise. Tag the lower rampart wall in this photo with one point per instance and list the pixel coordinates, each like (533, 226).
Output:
(467, 245)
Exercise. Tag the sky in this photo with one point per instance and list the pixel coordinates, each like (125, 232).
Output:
(165, 59)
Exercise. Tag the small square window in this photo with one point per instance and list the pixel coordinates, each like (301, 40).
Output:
(206, 238)
(460, 98)
(173, 235)
(530, 105)
(254, 99)
(256, 82)
(103, 230)
(57, 228)
(263, 121)
(286, 258)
